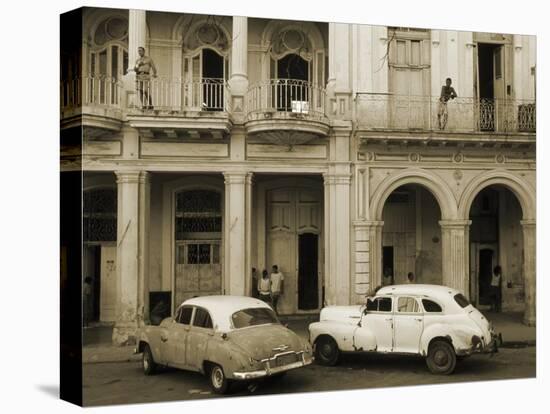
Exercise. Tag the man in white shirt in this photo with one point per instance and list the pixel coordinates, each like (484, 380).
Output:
(496, 289)
(277, 281)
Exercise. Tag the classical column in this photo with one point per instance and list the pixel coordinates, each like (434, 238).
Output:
(375, 241)
(132, 234)
(137, 33)
(454, 254)
(237, 232)
(238, 81)
(529, 270)
(337, 239)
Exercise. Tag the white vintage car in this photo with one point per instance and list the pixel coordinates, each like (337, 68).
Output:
(432, 321)
(225, 337)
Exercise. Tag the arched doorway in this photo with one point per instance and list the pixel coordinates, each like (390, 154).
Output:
(198, 229)
(496, 238)
(411, 236)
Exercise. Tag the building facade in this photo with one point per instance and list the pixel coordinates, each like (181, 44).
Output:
(320, 147)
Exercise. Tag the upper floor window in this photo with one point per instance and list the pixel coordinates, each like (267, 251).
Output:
(109, 49)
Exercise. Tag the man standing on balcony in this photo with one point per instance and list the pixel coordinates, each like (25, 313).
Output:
(144, 68)
(447, 92)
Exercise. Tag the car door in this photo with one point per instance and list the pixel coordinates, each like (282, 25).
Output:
(199, 335)
(408, 323)
(174, 338)
(377, 321)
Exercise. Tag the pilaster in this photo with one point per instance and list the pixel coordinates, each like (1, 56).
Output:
(238, 81)
(530, 270)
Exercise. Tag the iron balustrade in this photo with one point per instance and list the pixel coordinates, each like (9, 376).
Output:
(291, 96)
(90, 90)
(179, 95)
(400, 112)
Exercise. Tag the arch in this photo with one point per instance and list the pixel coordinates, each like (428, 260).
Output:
(187, 25)
(310, 29)
(432, 182)
(524, 192)
(96, 16)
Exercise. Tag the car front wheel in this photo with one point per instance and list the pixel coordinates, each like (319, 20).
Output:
(218, 380)
(441, 358)
(149, 364)
(326, 351)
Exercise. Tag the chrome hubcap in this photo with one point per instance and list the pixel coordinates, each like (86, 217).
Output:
(217, 377)
(441, 358)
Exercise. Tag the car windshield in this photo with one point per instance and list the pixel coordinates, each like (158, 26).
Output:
(252, 317)
(461, 300)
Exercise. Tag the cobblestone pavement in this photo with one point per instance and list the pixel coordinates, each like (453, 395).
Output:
(124, 382)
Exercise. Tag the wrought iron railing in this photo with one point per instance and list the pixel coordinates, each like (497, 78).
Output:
(90, 90)
(289, 96)
(177, 95)
(388, 111)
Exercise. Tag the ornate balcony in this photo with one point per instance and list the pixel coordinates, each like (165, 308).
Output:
(288, 111)
(93, 102)
(177, 107)
(421, 114)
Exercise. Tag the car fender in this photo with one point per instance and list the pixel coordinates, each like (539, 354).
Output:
(227, 355)
(459, 335)
(150, 335)
(341, 332)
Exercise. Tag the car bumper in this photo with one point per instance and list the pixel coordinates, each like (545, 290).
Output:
(271, 367)
(479, 347)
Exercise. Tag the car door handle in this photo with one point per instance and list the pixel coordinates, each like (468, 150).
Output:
(418, 319)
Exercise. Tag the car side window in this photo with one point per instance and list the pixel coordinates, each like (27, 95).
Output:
(407, 305)
(431, 306)
(202, 319)
(184, 315)
(379, 305)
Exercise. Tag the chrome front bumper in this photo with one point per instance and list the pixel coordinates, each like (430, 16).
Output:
(271, 367)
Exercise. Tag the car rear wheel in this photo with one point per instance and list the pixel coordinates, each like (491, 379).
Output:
(441, 358)
(326, 351)
(218, 380)
(149, 364)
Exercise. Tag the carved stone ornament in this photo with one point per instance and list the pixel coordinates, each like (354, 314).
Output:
(457, 174)
(458, 157)
(500, 158)
(287, 138)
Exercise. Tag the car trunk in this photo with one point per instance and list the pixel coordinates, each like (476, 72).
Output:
(261, 341)
(481, 321)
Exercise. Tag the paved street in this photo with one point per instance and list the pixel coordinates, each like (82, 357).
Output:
(124, 382)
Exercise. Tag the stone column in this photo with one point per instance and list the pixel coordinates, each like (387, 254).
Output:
(137, 33)
(238, 81)
(337, 239)
(132, 234)
(454, 254)
(236, 232)
(530, 270)
(375, 242)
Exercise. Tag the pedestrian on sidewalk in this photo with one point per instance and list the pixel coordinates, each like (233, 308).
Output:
(277, 281)
(264, 287)
(496, 289)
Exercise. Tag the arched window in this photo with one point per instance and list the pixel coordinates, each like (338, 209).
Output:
(108, 59)
(100, 215)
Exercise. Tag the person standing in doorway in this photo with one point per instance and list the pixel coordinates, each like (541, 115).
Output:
(388, 276)
(496, 289)
(255, 283)
(264, 287)
(277, 281)
(410, 277)
(447, 92)
(145, 69)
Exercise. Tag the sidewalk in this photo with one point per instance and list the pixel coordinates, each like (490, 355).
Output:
(98, 347)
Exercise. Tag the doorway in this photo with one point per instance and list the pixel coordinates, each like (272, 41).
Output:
(92, 269)
(387, 265)
(490, 86)
(486, 259)
(212, 79)
(292, 93)
(308, 280)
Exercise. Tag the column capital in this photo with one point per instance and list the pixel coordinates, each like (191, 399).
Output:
(528, 223)
(368, 223)
(128, 177)
(335, 179)
(240, 177)
(454, 224)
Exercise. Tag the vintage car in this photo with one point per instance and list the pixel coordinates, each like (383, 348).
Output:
(227, 338)
(432, 321)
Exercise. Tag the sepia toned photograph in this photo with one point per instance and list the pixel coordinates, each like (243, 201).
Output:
(259, 206)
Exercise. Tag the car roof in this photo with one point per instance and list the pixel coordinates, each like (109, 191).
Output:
(221, 307)
(443, 293)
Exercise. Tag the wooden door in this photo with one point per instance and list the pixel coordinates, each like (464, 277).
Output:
(108, 284)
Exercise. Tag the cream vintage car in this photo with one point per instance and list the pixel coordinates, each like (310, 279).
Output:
(432, 321)
(227, 338)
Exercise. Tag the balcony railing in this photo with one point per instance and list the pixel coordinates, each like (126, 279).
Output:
(289, 96)
(90, 90)
(174, 95)
(388, 111)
